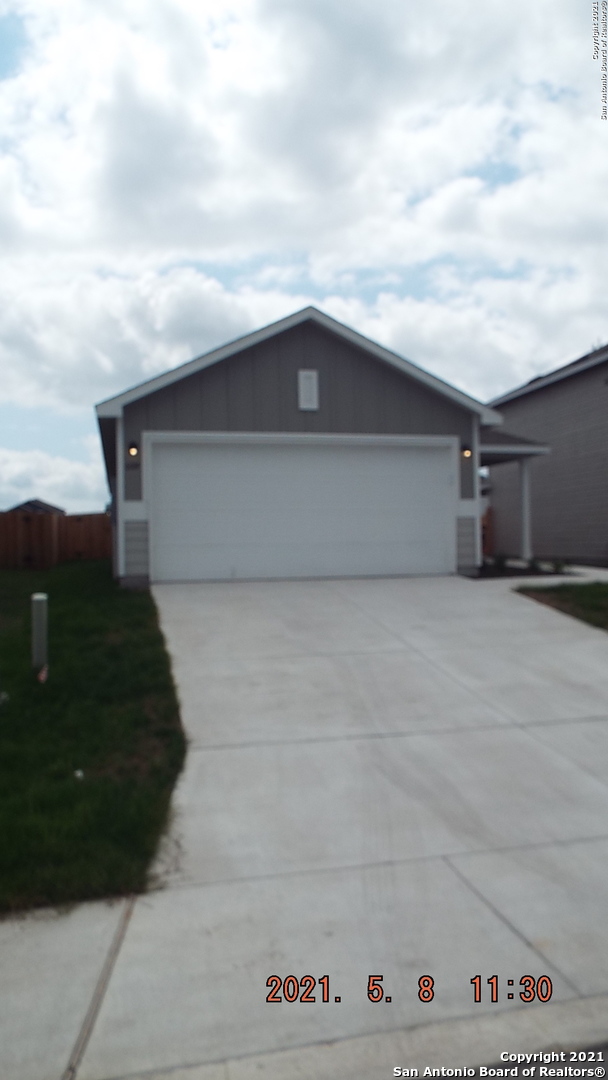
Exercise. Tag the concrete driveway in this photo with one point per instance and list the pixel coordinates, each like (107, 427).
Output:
(386, 777)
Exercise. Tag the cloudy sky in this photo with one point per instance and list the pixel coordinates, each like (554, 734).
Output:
(176, 173)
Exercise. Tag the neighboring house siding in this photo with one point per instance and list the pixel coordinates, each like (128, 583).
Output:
(136, 548)
(569, 486)
(465, 542)
(505, 501)
(256, 390)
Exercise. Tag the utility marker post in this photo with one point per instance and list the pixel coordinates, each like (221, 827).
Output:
(39, 630)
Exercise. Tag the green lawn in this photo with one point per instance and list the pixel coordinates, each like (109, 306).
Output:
(587, 602)
(109, 711)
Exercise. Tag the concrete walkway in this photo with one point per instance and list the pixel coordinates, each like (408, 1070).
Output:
(386, 777)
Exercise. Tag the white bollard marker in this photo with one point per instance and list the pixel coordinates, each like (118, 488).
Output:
(39, 629)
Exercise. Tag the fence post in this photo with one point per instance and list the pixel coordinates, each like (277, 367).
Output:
(39, 629)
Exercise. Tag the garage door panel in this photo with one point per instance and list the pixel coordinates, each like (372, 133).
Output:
(252, 477)
(234, 561)
(297, 526)
(250, 511)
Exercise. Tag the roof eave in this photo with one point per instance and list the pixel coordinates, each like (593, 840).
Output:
(504, 454)
(547, 380)
(519, 450)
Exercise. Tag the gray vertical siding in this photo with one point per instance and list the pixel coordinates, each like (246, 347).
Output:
(505, 502)
(568, 487)
(465, 542)
(256, 390)
(136, 549)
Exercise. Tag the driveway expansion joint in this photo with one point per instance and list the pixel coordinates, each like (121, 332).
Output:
(99, 993)
(512, 927)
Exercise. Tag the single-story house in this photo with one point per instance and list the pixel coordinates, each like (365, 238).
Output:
(568, 410)
(300, 450)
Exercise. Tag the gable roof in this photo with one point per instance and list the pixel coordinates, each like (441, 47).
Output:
(584, 363)
(114, 406)
(38, 506)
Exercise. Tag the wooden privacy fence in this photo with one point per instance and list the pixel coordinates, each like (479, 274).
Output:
(37, 541)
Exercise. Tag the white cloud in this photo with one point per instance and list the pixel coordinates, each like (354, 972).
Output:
(174, 173)
(76, 486)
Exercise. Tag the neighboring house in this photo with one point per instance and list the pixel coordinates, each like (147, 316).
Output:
(300, 450)
(37, 506)
(568, 410)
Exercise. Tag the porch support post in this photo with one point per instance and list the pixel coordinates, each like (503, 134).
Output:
(526, 529)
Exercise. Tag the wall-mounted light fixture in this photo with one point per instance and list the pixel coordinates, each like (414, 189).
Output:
(467, 452)
(133, 450)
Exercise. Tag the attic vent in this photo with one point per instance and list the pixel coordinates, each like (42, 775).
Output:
(308, 390)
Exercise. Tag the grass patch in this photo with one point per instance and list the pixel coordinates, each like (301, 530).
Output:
(587, 602)
(109, 710)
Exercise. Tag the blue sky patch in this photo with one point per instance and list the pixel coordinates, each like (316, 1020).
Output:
(366, 284)
(41, 429)
(496, 174)
(13, 41)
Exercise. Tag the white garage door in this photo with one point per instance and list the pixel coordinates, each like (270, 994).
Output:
(234, 510)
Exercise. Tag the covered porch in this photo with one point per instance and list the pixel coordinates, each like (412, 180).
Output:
(497, 447)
